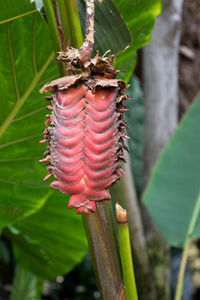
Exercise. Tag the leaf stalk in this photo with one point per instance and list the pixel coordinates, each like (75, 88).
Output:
(72, 14)
(192, 224)
(125, 253)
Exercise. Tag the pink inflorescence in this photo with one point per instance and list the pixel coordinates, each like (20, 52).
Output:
(85, 138)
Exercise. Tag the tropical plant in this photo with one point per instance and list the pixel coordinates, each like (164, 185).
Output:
(47, 238)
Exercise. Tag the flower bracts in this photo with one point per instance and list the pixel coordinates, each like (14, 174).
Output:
(85, 132)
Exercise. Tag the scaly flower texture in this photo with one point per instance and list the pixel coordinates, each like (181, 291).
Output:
(85, 132)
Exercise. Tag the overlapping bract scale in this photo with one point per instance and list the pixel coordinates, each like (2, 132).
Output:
(85, 138)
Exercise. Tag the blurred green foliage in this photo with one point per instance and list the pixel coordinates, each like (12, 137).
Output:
(173, 189)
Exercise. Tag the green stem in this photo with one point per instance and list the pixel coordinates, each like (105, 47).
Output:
(64, 19)
(104, 251)
(52, 23)
(26, 285)
(56, 34)
(74, 22)
(126, 255)
(124, 192)
(195, 215)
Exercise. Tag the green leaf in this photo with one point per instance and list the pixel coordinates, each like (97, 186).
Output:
(71, 24)
(25, 63)
(139, 16)
(135, 121)
(126, 63)
(15, 9)
(25, 285)
(52, 241)
(172, 192)
(111, 33)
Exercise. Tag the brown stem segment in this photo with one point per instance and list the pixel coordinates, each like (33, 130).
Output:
(102, 241)
(87, 47)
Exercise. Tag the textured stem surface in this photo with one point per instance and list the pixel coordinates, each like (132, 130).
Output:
(104, 250)
(87, 47)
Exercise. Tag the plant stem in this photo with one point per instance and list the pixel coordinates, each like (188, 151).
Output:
(180, 281)
(125, 253)
(124, 192)
(64, 19)
(52, 23)
(55, 30)
(89, 25)
(104, 251)
(25, 285)
(74, 22)
(88, 44)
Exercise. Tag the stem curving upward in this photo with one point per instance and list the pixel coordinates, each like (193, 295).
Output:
(87, 47)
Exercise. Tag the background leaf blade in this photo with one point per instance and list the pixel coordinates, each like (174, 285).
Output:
(111, 32)
(139, 17)
(172, 192)
(51, 241)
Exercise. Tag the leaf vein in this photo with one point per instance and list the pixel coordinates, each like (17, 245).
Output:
(7, 160)
(20, 140)
(24, 185)
(12, 62)
(24, 97)
(34, 44)
(19, 16)
(28, 114)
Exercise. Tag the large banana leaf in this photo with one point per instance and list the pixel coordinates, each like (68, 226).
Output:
(172, 192)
